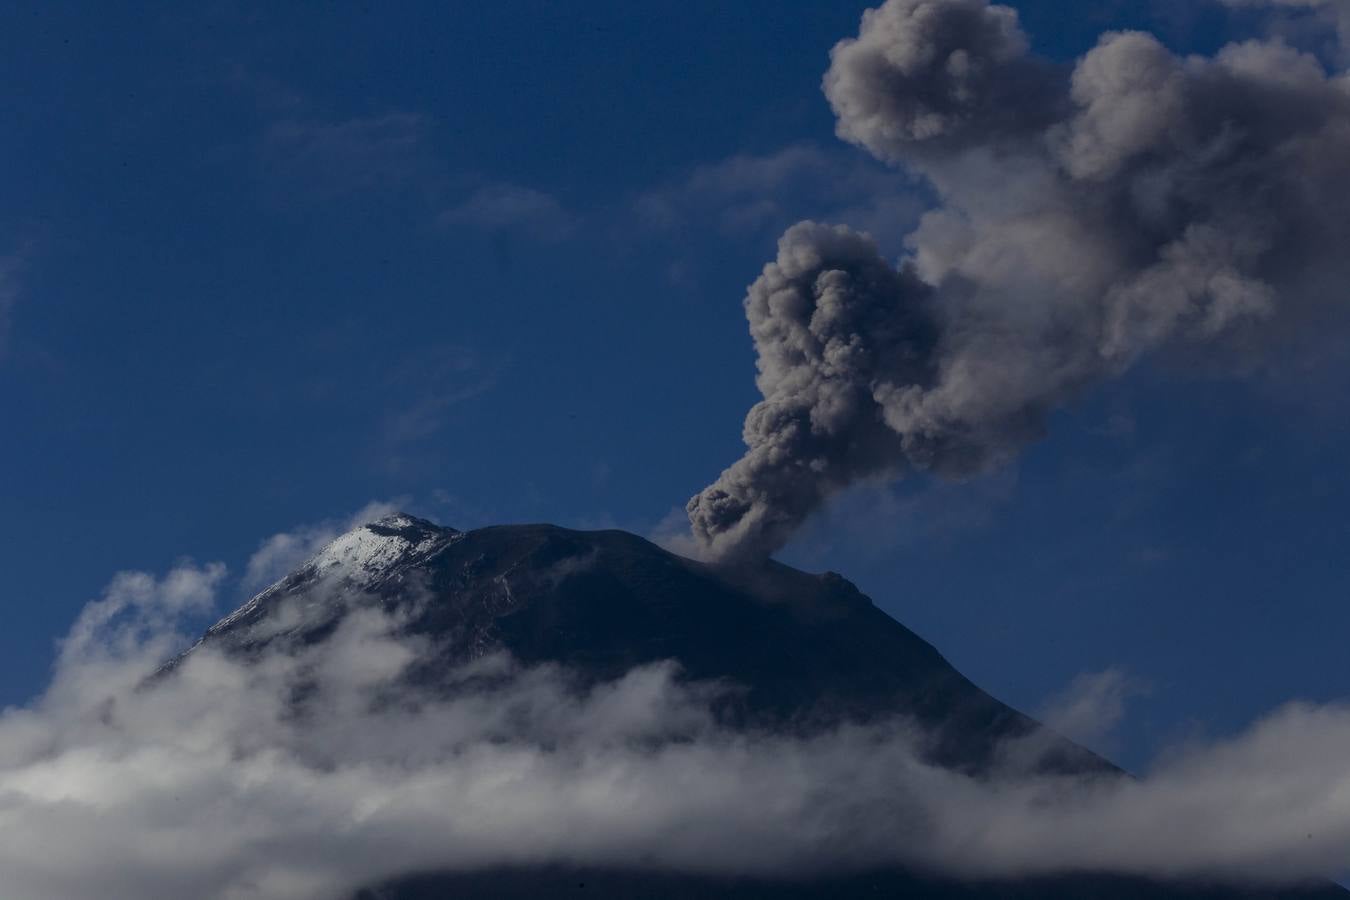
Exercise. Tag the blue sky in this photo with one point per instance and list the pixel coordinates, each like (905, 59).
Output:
(260, 266)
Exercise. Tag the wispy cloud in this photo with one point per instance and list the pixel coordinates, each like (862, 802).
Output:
(761, 194)
(385, 152)
(672, 533)
(1092, 707)
(421, 396)
(876, 518)
(503, 207)
(392, 153)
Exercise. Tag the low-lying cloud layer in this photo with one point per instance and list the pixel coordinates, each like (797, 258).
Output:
(213, 783)
(1088, 216)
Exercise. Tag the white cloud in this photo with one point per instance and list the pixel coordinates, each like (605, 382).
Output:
(120, 638)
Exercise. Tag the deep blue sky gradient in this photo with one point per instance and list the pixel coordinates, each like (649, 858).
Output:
(274, 261)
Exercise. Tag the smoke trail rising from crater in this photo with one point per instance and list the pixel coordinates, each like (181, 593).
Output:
(1087, 216)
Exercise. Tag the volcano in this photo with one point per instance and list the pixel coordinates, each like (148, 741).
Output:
(801, 653)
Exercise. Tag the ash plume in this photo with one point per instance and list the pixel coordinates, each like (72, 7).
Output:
(1088, 216)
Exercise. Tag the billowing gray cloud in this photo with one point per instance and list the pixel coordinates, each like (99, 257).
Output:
(944, 72)
(1088, 217)
(830, 319)
(213, 783)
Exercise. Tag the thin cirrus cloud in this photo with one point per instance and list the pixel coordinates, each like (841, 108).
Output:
(423, 394)
(392, 153)
(212, 783)
(382, 151)
(756, 194)
(505, 208)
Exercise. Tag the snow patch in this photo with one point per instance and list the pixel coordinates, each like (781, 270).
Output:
(360, 557)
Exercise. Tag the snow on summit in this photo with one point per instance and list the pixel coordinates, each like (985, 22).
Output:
(374, 547)
(356, 560)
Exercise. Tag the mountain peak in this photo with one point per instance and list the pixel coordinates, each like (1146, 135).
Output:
(402, 522)
(369, 550)
(358, 561)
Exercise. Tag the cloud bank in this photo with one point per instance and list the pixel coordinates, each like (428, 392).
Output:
(1088, 217)
(217, 782)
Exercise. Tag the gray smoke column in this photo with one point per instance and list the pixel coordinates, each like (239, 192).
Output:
(1087, 216)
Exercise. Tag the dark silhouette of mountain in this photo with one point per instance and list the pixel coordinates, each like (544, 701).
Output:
(806, 651)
